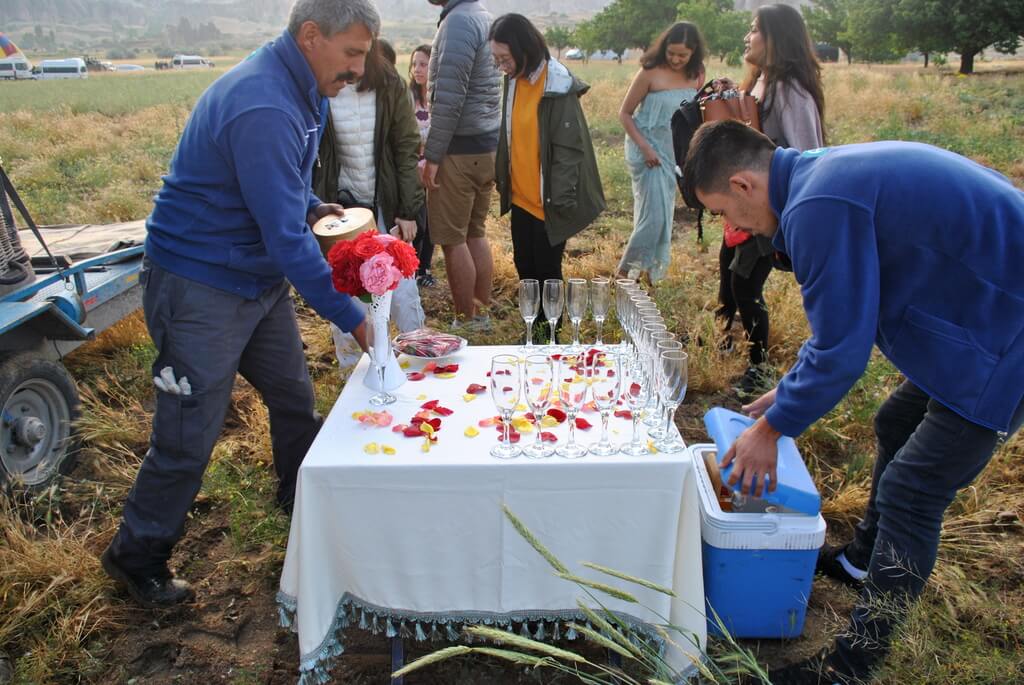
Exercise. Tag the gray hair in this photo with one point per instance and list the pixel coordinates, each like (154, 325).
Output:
(333, 16)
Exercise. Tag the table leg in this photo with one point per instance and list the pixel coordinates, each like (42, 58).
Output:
(398, 658)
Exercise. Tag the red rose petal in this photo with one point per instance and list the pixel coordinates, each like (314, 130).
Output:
(435, 424)
(429, 366)
(415, 376)
(624, 413)
(443, 411)
(582, 423)
(557, 414)
(547, 436)
(513, 436)
(412, 432)
(530, 417)
(475, 389)
(430, 405)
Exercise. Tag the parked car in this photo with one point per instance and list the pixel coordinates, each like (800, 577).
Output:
(190, 62)
(574, 53)
(73, 67)
(15, 68)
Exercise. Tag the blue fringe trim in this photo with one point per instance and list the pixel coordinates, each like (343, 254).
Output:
(314, 668)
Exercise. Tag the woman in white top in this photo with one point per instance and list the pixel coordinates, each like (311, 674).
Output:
(418, 63)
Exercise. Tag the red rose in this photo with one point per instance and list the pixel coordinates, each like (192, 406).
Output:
(405, 257)
(345, 269)
(366, 245)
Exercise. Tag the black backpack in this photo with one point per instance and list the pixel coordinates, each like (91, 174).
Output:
(685, 121)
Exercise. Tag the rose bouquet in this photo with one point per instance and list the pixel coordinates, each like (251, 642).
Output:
(372, 264)
(370, 268)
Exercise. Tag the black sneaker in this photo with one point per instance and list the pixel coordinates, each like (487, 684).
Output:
(756, 381)
(426, 280)
(811, 671)
(154, 592)
(828, 565)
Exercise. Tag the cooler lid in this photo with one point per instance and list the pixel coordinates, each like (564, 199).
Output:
(795, 490)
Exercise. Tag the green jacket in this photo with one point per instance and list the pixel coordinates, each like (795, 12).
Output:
(396, 152)
(571, 184)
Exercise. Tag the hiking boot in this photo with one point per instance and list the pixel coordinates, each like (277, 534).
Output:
(158, 591)
(814, 670)
(829, 565)
(757, 380)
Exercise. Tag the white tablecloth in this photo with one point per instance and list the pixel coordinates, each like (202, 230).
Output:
(417, 542)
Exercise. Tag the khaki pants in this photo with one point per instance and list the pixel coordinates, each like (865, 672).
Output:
(457, 210)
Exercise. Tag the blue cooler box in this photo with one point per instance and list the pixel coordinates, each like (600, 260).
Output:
(758, 559)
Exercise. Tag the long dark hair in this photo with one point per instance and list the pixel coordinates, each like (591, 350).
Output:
(526, 44)
(380, 70)
(419, 93)
(788, 56)
(681, 32)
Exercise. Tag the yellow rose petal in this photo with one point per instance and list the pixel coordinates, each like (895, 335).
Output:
(371, 448)
(469, 397)
(421, 397)
(405, 364)
(356, 415)
(521, 407)
(426, 428)
(444, 375)
(548, 421)
(425, 447)
(387, 449)
(651, 448)
(471, 432)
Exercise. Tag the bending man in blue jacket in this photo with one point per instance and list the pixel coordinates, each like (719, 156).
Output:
(229, 231)
(915, 250)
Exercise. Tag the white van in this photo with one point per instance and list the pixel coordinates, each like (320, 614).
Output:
(190, 62)
(15, 68)
(73, 67)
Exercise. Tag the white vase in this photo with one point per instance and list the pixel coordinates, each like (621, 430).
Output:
(383, 374)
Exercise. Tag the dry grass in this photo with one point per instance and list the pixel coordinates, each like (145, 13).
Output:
(78, 165)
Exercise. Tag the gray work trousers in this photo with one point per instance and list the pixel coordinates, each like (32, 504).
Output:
(208, 335)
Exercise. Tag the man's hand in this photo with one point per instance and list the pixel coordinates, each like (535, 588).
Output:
(428, 176)
(322, 210)
(359, 333)
(404, 229)
(758, 407)
(755, 454)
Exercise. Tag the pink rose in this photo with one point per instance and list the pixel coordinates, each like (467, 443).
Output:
(379, 274)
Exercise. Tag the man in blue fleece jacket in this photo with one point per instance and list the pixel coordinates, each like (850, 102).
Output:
(230, 230)
(915, 250)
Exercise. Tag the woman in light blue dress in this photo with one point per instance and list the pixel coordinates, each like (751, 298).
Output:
(672, 71)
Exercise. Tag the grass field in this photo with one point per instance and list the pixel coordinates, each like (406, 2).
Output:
(94, 151)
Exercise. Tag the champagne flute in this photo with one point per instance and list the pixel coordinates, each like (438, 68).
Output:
(577, 306)
(599, 301)
(554, 298)
(661, 340)
(529, 306)
(572, 391)
(505, 384)
(635, 390)
(674, 373)
(645, 348)
(606, 387)
(538, 383)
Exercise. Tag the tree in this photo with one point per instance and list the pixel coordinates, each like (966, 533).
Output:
(635, 23)
(827, 22)
(585, 37)
(871, 32)
(722, 27)
(963, 26)
(558, 37)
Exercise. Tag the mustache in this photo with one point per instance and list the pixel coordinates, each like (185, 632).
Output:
(347, 77)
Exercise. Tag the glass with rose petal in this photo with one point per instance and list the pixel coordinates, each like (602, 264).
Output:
(571, 380)
(506, 383)
(538, 386)
(605, 370)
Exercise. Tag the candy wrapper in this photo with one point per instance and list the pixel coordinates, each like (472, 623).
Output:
(427, 343)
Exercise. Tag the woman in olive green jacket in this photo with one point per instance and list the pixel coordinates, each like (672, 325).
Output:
(546, 170)
(399, 195)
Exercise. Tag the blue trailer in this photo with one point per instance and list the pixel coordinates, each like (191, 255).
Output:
(83, 280)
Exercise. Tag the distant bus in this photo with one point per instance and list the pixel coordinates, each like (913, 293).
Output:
(73, 67)
(190, 62)
(15, 68)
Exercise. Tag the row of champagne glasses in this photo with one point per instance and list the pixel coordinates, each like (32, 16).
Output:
(571, 297)
(606, 376)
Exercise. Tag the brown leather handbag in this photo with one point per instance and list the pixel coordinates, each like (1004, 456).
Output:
(743, 108)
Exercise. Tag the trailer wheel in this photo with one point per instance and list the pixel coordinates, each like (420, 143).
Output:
(40, 406)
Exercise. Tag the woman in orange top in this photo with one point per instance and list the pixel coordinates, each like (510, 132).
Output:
(545, 169)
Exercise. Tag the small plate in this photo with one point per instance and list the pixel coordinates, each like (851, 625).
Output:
(463, 343)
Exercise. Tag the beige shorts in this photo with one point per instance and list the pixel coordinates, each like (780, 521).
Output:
(457, 210)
